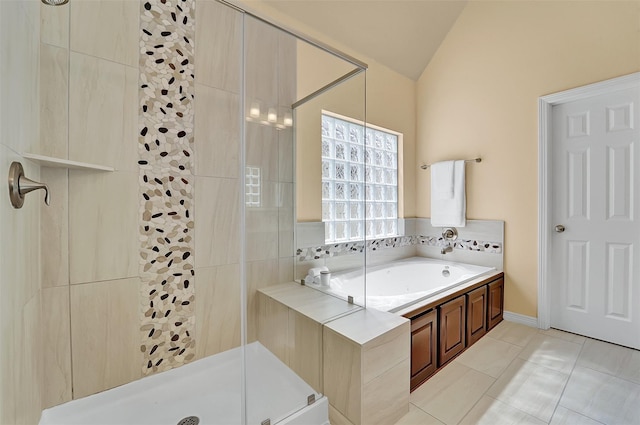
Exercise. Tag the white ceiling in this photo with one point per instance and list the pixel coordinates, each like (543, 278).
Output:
(401, 34)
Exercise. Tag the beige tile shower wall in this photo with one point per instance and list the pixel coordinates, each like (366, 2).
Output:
(54, 219)
(56, 346)
(89, 66)
(20, 361)
(90, 238)
(217, 132)
(20, 367)
(103, 222)
(103, 111)
(54, 101)
(107, 29)
(270, 68)
(218, 317)
(105, 333)
(270, 76)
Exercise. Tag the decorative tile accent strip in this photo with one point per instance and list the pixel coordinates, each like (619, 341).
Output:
(335, 250)
(167, 34)
(466, 244)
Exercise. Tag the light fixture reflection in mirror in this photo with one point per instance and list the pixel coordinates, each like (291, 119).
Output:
(254, 111)
(272, 116)
(280, 118)
(288, 119)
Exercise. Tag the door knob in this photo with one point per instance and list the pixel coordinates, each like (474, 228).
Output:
(559, 228)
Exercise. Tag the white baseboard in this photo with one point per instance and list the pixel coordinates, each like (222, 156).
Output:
(520, 318)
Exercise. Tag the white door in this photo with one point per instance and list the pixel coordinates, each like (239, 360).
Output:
(595, 184)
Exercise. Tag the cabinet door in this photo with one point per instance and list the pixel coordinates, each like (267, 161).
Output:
(496, 303)
(452, 329)
(476, 314)
(423, 347)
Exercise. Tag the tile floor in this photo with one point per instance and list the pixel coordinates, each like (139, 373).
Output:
(521, 375)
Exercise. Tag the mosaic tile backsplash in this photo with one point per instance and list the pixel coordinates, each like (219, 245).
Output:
(337, 249)
(166, 95)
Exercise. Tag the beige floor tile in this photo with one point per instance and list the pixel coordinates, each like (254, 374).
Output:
(613, 359)
(602, 397)
(564, 416)
(601, 356)
(630, 366)
(452, 392)
(417, 417)
(490, 411)
(513, 333)
(530, 387)
(489, 356)
(554, 353)
(567, 336)
(440, 381)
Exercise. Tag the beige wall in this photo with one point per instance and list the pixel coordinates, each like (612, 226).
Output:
(390, 103)
(20, 343)
(89, 243)
(478, 97)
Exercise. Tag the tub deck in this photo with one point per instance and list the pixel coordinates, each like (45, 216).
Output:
(401, 284)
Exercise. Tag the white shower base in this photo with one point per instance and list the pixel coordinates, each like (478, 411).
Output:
(209, 388)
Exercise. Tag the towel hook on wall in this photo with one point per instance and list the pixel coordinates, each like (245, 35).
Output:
(425, 166)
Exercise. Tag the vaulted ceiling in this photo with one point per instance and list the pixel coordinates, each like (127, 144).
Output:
(400, 34)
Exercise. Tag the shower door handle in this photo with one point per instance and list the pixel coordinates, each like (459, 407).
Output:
(19, 186)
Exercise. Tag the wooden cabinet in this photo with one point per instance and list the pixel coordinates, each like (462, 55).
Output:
(452, 328)
(423, 347)
(476, 314)
(442, 329)
(495, 305)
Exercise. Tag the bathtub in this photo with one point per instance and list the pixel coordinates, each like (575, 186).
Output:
(396, 285)
(209, 389)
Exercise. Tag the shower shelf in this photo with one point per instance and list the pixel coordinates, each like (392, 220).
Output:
(49, 161)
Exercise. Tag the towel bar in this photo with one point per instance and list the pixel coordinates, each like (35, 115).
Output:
(425, 166)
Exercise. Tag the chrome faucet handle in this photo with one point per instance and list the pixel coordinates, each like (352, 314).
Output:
(19, 186)
(450, 234)
(27, 185)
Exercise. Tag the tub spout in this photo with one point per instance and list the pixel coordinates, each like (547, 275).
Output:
(446, 249)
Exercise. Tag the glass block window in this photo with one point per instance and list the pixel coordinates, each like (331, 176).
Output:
(252, 186)
(359, 181)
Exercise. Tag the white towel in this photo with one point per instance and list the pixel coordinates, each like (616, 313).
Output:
(442, 180)
(449, 212)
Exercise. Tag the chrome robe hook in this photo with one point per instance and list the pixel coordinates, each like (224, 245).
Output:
(19, 186)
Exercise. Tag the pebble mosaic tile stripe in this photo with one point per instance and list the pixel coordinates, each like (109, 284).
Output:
(337, 249)
(166, 93)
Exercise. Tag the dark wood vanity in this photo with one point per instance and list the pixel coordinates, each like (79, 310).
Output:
(442, 329)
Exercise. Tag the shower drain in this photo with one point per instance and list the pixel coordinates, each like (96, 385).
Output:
(189, 420)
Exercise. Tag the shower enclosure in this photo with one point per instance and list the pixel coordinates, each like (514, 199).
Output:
(181, 144)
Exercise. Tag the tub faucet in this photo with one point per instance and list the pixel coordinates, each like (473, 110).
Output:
(446, 249)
